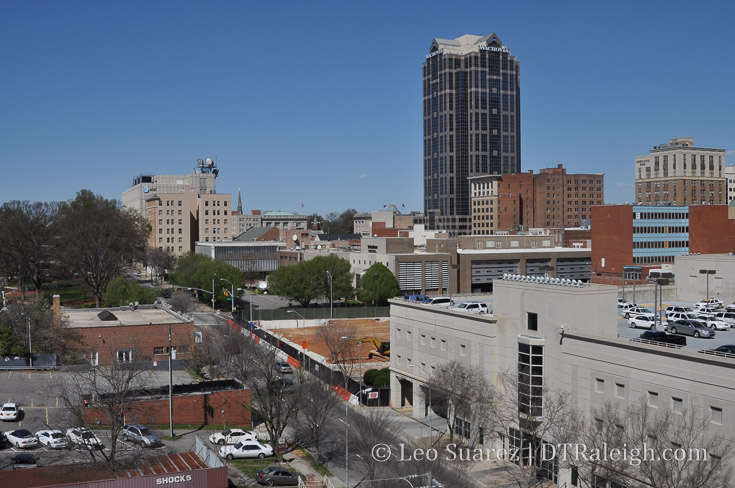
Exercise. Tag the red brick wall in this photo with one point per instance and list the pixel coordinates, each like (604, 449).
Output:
(193, 409)
(612, 239)
(710, 230)
(516, 202)
(140, 338)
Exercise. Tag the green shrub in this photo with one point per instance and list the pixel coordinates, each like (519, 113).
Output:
(369, 376)
(382, 379)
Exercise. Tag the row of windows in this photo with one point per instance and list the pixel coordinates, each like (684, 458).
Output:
(168, 212)
(668, 215)
(652, 259)
(657, 229)
(215, 203)
(660, 244)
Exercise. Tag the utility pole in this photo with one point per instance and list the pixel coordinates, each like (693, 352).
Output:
(170, 386)
(30, 345)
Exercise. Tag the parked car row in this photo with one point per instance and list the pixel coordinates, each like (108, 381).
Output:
(77, 436)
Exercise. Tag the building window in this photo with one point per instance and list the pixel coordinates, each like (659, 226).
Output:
(599, 385)
(443, 345)
(462, 350)
(619, 390)
(653, 399)
(530, 379)
(715, 415)
(677, 405)
(532, 321)
(433, 342)
(159, 350)
(124, 356)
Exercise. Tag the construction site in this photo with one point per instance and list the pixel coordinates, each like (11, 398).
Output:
(374, 334)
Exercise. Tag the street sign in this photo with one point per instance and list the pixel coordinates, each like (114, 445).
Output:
(373, 395)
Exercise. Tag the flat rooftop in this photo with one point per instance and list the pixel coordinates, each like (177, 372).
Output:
(112, 317)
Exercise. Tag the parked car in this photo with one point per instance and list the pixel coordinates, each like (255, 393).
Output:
(52, 438)
(624, 304)
(283, 367)
(83, 437)
(476, 307)
(629, 312)
(9, 411)
(682, 316)
(710, 302)
(645, 322)
(24, 461)
(416, 298)
(727, 349)
(232, 436)
(276, 476)
(21, 438)
(285, 384)
(660, 336)
(703, 310)
(728, 317)
(690, 327)
(3, 439)
(676, 309)
(140, 434)
(713, 323)
(445, 302)
(249, 449)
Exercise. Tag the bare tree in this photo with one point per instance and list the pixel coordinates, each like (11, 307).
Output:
(99, 238)
(533, 418)
(319, 409)
(705, 451)
(366, 430)
(343, 343)
(461, 391)
(605, 427)
(159, 261)
(181, 302)
(105, 395)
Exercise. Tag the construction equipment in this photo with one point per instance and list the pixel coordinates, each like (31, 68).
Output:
(381, 351)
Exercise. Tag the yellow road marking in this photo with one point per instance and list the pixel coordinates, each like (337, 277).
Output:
(50, 375)
(57, 402)
(9, 373)
(47, 416)
(31, 402)
(29, 375)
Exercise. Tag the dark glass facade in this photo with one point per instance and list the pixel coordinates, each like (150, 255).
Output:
(472, 124)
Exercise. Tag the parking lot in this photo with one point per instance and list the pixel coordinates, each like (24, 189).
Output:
(37, 396)
(722, 337)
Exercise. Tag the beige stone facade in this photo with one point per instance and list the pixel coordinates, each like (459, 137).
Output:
(678, 173)
(484, 204)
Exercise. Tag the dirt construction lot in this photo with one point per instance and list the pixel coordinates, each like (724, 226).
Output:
(377, 328)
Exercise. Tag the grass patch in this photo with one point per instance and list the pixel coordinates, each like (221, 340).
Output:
(251, 466)
(321, 469)
(171, 437)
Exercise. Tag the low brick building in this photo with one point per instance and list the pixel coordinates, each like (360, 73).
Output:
(224, 402)
(127, 334)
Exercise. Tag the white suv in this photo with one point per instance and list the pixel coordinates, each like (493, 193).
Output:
(704, 310)
(445, 302)
(673, 308)
(728, 317)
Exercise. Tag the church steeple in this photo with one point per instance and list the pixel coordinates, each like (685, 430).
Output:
(239, 202)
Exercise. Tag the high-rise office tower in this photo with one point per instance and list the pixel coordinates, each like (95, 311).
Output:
(472, 124)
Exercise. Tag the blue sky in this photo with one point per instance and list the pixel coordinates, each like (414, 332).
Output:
(319, 103)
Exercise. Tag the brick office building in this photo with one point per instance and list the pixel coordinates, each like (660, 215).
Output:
(551, 198)
(651, 236)
(126, 334)
(219, 402)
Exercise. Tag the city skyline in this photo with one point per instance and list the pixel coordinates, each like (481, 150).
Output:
(329, 96)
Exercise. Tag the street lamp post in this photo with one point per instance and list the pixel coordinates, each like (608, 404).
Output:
(330, 295)
(232, 292)
(347, 440)
(707, 272)
(359, 392)
(429, 386)
(303, 328)
(30, 344)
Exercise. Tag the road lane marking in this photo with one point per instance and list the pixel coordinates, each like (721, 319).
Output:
(9, 373)
(46, 415)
